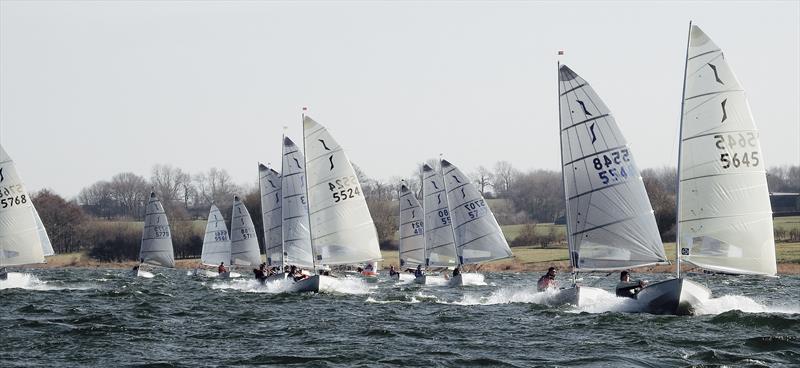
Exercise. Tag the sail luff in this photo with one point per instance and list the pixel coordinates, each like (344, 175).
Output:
(680, 146)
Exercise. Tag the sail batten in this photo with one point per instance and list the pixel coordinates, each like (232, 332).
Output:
(610, 223)
(156, 247)
(724, 211)
(342, 230)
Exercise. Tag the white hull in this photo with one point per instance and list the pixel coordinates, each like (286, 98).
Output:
(674, 296)
(420, 280)
(307, 285)
(575, 295)
(4, 273)
(142, 273)
(456, 281)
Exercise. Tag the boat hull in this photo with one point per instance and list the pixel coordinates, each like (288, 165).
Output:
(306, 285)
(420, 279)
(3, 273)
(142, 273)
(675, 296)
(456, 281)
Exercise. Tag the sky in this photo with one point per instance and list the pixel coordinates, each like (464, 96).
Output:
(90, 89)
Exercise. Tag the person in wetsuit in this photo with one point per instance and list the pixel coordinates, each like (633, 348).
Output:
(548, 280)
(627, 288)
(418, 272)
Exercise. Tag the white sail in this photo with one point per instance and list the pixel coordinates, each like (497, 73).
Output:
(610, 222)
(244, 242)
(412, 237)
(342, 230)
(440, 249)
(270, 183)
(296, 234)
(725, 218)
(20, 239)
(156, 248)
(477, 235)
(216, 243)
(47, 246)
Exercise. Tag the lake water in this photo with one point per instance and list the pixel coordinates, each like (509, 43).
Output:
(87, 317)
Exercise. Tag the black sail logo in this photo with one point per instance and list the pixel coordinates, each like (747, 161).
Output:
(1, 175)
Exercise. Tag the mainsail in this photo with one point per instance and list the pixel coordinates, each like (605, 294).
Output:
(342, 230)
(610, 223)
(20, 233)
(156, 248)
(412, 237)
(477, 235)
(216, 243)
(47, 247)
(296, 234)
(244, 242)
(724, 213)
(440, 249)
(270, 183)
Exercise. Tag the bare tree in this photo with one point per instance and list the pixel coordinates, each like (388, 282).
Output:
(130, 191)
(483, 179)
(168, 182)
(504, 175)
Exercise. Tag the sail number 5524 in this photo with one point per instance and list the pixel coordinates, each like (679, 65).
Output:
(344, 188)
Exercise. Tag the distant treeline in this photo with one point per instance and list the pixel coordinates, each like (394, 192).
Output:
(104, 219)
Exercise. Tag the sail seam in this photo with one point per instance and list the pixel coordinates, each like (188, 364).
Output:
(725, 132)
(573, 89)
(714, 93)
(722, 174)
(585, 121)
(729, 216)
(705, 53)
(595, 154)
(604, 225)
(598, 189)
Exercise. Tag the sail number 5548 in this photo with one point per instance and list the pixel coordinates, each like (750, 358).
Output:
(344, 188)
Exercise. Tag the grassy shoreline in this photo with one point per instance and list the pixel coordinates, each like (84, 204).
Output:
(526, 259)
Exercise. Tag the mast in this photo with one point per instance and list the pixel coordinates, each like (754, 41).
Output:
(449, 212)
(563, 180)
(678, 174)
(424, 216)
(305, 179)
(283, 238)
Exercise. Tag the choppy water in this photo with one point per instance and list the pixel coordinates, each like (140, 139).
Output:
(76, 317)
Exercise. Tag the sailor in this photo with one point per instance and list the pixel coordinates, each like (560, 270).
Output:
(392, 272)
(369, 267)
(456, 271)
(548, 280)
(418, 272)
(627, 288)
(259, 275)
(221, 269)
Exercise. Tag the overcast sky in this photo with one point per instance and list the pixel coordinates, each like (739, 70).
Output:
(91, 89)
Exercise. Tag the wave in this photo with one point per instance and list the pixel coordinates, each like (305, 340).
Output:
(745, 304)
(344, 285)
(28, 281)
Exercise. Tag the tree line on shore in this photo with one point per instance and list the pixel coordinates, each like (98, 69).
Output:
(105, 218)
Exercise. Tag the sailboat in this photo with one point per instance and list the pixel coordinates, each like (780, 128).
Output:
(610, 223)
(23, 238)
(724, 216)
(244, 242)
(156, 248)
(270, 184)
(296, 235)
(342, 231)
(216, 243)
(412, 237)
(440, 248)
(477, 235)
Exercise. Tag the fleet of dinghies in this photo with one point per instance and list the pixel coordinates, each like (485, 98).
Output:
(315, 216)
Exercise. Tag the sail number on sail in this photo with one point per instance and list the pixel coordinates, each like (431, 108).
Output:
(604, 168)
(444, 216)
(246, 234)
(160, 231)
(748, 158)
(475, 208)
(417, 226)
(344, 188)
(12, 201)
(220, 235)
